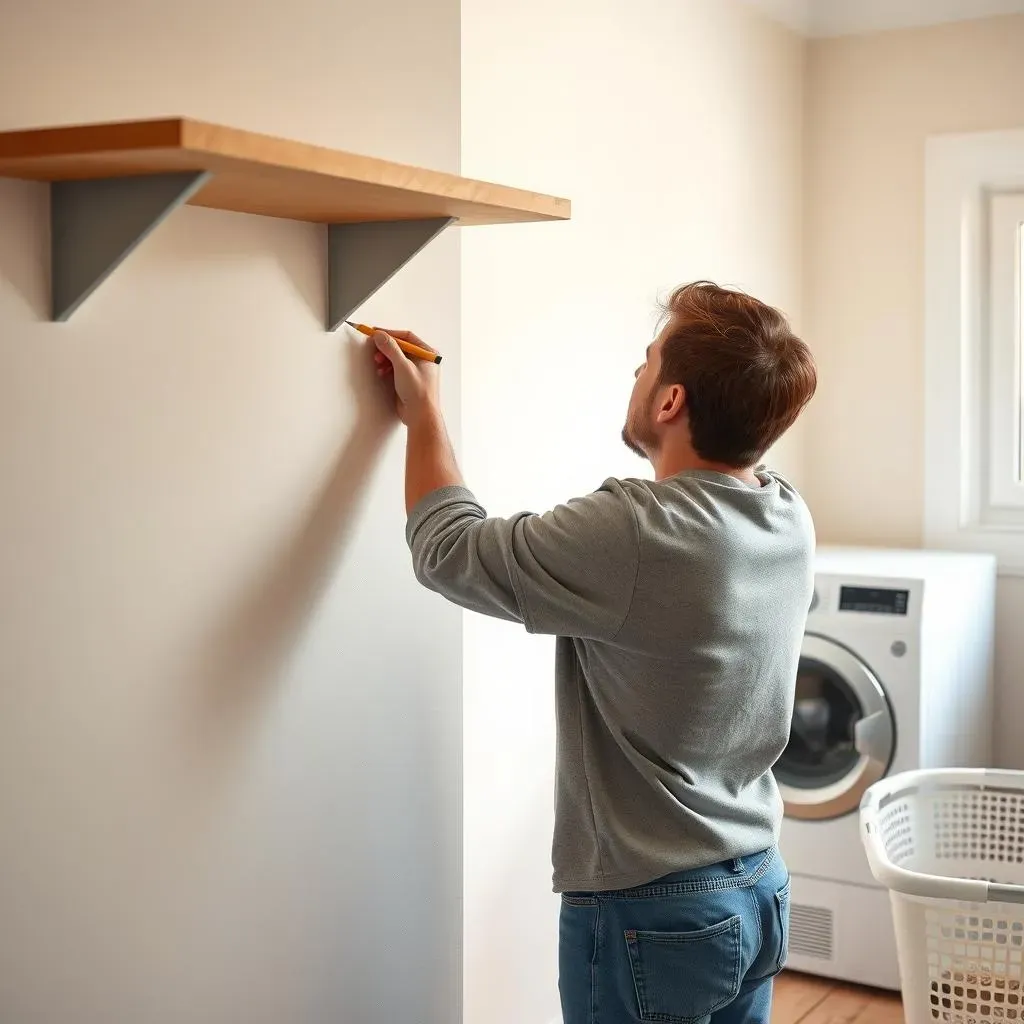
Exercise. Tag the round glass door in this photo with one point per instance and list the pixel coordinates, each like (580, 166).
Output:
(842, 737)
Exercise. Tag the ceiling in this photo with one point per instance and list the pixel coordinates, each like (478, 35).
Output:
(848, 17)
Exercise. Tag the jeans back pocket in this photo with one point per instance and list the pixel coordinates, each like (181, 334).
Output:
(682, 977)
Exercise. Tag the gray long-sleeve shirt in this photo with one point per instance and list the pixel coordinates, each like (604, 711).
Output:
(679, 608)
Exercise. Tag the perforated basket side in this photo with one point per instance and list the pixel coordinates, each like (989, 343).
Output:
(980, 828)
(897, 829)
(960, 964)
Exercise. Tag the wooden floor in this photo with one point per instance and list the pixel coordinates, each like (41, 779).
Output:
(810, 1000)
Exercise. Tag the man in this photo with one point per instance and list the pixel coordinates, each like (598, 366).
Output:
(679, 607)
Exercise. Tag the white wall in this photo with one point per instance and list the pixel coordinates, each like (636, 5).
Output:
(229, 720)
(675, 128)
(872, 101)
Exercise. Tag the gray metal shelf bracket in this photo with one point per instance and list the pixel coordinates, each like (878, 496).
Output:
(362, 257)
(95, 224)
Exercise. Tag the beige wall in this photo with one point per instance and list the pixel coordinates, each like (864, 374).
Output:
(229, 719)
(675, 128)
(871, 102)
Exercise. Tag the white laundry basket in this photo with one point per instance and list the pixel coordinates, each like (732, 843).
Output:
(949, 846)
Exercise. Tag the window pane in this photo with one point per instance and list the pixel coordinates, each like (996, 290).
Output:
(1004, 413)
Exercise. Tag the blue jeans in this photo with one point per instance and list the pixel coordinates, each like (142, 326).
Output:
(691, 948)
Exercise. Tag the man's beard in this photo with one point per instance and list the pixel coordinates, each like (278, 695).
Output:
(637, 434)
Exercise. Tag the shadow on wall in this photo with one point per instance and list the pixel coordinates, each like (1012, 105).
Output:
(248, 649)
(27, 271)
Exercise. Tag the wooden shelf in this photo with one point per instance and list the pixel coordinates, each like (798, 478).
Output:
(164, 163)
(261, 174)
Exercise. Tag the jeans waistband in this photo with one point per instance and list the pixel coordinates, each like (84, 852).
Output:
(737, 873)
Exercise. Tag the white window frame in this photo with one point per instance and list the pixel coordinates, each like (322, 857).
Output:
(974, 500)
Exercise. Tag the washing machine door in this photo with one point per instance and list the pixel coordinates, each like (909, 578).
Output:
(842, 737)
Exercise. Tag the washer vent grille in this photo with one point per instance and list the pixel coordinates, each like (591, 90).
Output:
(811, 931)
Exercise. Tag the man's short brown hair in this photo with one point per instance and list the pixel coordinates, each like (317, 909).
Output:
(747, 376)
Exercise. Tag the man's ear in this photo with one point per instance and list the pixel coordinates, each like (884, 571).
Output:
(672, 402)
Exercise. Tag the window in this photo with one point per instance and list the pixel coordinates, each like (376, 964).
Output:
(974, 354)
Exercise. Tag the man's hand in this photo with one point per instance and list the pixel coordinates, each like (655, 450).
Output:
(429, 459)
(417, 391)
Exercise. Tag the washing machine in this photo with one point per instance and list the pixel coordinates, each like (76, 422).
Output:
(895, 674)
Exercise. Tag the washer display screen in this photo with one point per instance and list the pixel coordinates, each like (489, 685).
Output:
(876, 600)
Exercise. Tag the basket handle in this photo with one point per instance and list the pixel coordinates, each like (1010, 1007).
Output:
(916, 883)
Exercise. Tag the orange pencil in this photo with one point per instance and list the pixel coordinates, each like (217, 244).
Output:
(406, 346)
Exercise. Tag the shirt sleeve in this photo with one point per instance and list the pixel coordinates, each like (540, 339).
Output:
(570, 572)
